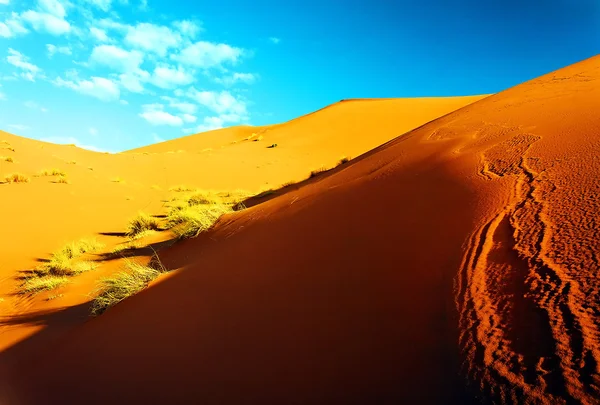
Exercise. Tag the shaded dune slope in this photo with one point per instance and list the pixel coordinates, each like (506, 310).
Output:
(456, 263)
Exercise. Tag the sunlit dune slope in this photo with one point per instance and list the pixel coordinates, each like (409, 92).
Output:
(103, 191)
(471, 241)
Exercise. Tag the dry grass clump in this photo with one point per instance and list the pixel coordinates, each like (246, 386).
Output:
(72, 162)
(181, 189)
(36, 285)
(132, 280)
(318, 171)
(63, 263)
(7, 159)
(16, 178)
(343, 160)
(117, 180)
(61, 180)
(199, 211)
(53, 172)
(190, 221)
(141, 225)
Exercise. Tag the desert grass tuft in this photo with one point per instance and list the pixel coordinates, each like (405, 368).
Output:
(129, 282)
(181, 189)
(188, 222)
(7, 159)
(141, 224)
(61, 180)
(16, 178)
(316, 172)
(62, 262)
(36, 285)
(343, 160)
(72, 162)
(52, 172)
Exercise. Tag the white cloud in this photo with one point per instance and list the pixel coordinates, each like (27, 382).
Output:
(237, 77)
(15, 58)
(188, 28)
(184, 107)
(103, 5)
(207, 54)
(208, 124)
(188, 118)
(158, 117)
(167, 77)
(98, 87)
(152, 38)
(12, 27)
(46, 22)
(99, 34)
(275, 40)
(53, 49)
(53, 7)
(18, 127)
(133, 81)
(4, 2)
(220, 102)
(117, 58)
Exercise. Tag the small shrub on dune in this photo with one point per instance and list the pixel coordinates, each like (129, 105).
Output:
(16, 178)
(7, 159)
(141, 224)
(343, 160)
(129, 282)
(62, 262)
(38, 284)
(61, 180)
(53, 172)
(188, 222)
(315, 173)
(181, 189)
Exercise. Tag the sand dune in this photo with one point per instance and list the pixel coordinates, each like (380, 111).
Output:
(457, 263)
(105, 190)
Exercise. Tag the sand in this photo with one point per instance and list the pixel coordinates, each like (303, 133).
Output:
(105, 190)
(456, 263)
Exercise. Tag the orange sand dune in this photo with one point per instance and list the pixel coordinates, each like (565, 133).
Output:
(455, 264)
(106, 190)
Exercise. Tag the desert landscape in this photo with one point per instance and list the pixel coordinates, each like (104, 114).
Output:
(377, 251)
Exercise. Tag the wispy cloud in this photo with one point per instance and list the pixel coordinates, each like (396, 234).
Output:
(235, 78)
(53, 49)
(154, 114)
(29, 71)
(208, 55)
(275, 40)
(98, 87)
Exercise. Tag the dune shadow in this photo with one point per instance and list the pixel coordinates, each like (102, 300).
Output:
(115, 234)
(142, 251)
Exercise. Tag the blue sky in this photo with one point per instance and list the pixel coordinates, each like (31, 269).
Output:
(116, 74)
